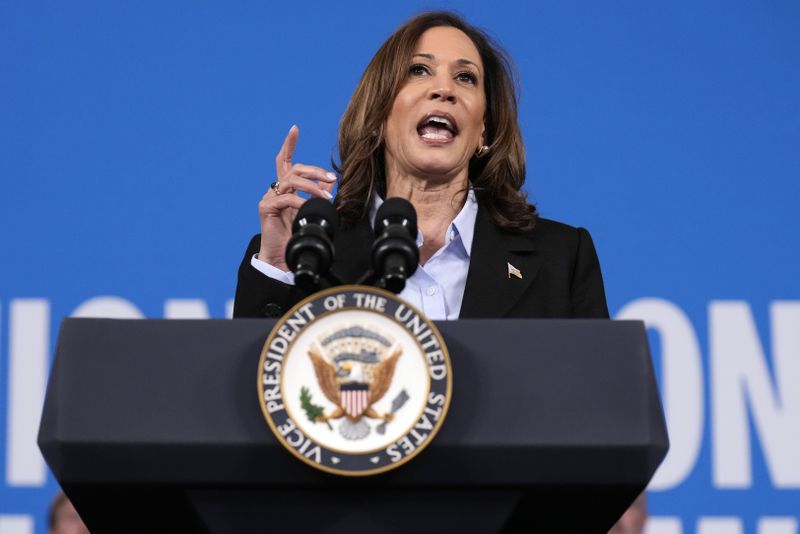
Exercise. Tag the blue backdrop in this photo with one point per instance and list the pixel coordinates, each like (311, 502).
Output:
(137, 138)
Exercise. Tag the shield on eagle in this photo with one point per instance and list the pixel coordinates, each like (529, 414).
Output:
(354, 368)
(354, 398)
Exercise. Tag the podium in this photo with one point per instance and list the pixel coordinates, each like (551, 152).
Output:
(155, 426)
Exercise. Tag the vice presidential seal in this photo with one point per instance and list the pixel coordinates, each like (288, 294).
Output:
(354, 381)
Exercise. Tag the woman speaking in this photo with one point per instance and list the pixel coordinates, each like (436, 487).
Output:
(432, 120)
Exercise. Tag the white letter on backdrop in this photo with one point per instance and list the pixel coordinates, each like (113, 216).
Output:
(740, 377)
(719, 525)
(185, 309)
(777, 525)
(28, 363)
(681, 386)
(109, 308)
(663, 525)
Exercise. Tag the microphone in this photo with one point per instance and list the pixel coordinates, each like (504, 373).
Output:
(395, 255)
(309, 252)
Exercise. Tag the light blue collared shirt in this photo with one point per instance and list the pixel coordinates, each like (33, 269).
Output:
(436, 288)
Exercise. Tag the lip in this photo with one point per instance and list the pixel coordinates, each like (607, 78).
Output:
(444, 115)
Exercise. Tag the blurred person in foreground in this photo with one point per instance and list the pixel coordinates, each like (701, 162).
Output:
(63, 518)
(634, 518)
(432, 120)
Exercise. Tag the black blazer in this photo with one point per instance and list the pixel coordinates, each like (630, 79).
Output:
(560, 273)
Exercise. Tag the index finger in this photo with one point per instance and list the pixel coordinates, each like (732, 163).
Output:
(284, 160)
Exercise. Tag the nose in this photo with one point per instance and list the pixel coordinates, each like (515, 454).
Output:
(445, 95)
(442, 89)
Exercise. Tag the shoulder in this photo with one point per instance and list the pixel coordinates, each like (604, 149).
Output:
(553, 235)
(560, 245)
(547, 235)
(558, 262)
(550, 229)
(568, 254)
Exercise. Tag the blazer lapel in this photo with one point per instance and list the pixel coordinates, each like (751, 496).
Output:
(492, 287)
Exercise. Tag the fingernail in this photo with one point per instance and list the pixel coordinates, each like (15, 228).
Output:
(327, 194)
(331, 176)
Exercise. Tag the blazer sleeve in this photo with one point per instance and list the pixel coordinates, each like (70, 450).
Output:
(258, 295)
(587, 294)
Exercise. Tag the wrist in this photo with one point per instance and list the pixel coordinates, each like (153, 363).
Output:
(275, 261)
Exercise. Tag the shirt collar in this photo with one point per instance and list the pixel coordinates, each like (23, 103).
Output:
(462, 226)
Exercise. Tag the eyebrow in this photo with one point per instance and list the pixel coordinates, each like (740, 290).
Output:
(462, 61)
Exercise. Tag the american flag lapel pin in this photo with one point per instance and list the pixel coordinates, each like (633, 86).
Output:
(513, 271)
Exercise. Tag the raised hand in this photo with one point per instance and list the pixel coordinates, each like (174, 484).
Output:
(279, 205)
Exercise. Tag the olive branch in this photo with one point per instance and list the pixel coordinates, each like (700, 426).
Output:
(313, 411)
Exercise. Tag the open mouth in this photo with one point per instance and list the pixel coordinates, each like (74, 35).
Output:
(437, 126)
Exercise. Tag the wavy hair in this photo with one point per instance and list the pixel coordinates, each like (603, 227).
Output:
(496, 177)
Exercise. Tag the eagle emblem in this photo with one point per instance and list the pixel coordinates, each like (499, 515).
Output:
(354, 367)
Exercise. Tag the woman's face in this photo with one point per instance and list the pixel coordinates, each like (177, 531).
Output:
(436, 122)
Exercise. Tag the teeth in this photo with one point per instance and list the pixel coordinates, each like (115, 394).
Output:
(437, 128)
(441, 120)
(435, 136)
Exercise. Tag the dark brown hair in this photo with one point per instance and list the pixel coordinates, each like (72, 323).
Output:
(497, 177)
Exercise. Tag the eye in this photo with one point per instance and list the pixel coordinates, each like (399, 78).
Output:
(418, 69)
(467, 77)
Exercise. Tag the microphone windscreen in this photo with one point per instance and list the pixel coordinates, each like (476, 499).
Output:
(396, 210)
(316, 210)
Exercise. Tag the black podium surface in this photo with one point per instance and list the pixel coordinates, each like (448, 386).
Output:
(155, 426)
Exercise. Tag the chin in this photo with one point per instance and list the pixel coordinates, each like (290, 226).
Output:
(440, 165)
(443, 169)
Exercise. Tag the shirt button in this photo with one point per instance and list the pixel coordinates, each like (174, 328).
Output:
(431, 291)
(452, 234)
